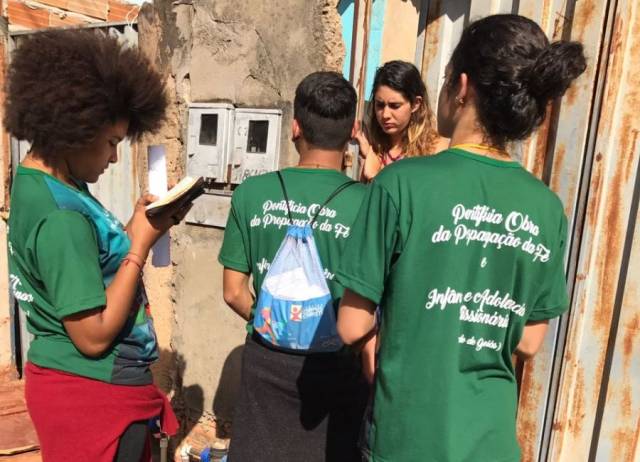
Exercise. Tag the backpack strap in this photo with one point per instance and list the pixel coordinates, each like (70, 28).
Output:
(286, 197)
(338, 190)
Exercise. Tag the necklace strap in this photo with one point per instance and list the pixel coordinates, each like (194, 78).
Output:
(482, 147)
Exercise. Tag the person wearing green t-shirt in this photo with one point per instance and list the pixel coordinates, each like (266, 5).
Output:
(464, 252)
(74, 268)
(296, 405)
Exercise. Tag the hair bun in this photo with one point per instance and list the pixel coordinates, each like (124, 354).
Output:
(554, 70)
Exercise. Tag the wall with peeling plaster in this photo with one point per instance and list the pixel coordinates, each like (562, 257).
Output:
(250, 53)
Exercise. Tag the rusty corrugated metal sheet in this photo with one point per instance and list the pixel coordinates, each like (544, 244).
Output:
(20, 14)
(558, 154)
(602, 262)
(67, 20)
(95, 8)
(119, 11)
(620, 433)
(577, 151)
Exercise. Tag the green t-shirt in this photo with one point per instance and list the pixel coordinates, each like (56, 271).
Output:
(258, 220)
(460, 251)
(64, 250)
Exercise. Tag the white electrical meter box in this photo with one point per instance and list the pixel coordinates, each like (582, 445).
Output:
(256, 142)
(209, 140)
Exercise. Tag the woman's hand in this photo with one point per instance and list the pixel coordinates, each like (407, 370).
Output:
(144, 231)
(370, 161)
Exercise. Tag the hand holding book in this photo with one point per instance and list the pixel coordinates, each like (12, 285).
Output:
(185, 192)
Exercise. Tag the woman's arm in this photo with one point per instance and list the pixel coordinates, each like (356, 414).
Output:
(356, 318)
(532, 338)
(93, 331)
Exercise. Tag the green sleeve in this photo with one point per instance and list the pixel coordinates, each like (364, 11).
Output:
(67, 260)
(553, 299)
(371, 246)
(233, 253)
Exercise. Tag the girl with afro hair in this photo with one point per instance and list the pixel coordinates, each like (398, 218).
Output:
(74, 268)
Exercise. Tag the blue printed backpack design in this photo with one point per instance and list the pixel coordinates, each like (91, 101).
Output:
(295, 309)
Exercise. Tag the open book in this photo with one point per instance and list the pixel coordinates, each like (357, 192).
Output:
(187, 190)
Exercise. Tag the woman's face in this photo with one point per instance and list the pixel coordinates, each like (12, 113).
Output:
(90, 162)
(393, 110)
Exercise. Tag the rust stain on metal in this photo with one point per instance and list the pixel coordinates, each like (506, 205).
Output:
(536, 164)
(556, 179)
(632, 333)
(585, 12)
(544, 17)
(594, 191)
(636, 439)
(432, 33)
(530, 396)
(576, 419)
(629, 141)
(609, 259)
(558, 426)
(615, 67)
(625, 441)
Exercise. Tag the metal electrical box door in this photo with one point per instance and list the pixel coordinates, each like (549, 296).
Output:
(256, 142)
(209, 140)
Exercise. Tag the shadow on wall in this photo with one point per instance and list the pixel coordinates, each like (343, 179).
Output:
(226, 395)
(188, 401)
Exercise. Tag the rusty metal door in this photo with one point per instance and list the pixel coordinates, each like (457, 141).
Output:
(580, 396)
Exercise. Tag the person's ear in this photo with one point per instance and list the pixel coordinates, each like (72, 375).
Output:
(296, 131)
(463, 89)
(417, 102)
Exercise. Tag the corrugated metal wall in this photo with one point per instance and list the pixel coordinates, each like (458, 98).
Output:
(580, 396)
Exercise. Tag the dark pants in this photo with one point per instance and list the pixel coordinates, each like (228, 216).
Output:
(294, 408)
(132, 442)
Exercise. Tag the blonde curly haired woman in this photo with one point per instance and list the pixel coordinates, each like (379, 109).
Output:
(399, 121)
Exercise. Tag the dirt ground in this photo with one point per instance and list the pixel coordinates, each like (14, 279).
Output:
(18, 440)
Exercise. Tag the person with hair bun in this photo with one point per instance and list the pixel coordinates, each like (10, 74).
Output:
(74, 268)
(399, 120)
(464, 252)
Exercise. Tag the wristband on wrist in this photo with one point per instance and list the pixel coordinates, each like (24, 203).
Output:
(135, 259)
(140, 259)
(127, 260)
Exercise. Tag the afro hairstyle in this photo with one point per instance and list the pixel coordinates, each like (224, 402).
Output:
(63, 86)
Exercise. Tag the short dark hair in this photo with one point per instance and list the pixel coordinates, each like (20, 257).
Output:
(325, 108)
(65, 85)
(515, 72)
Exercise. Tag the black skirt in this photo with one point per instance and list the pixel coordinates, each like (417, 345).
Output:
(297, 408)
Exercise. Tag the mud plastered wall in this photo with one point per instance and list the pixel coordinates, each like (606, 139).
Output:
(250, 53)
